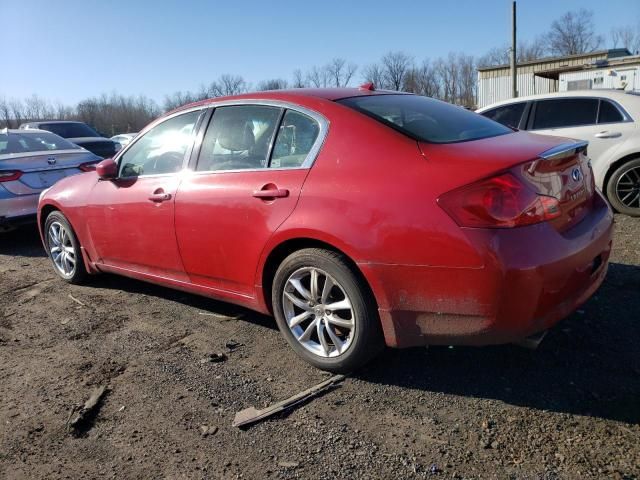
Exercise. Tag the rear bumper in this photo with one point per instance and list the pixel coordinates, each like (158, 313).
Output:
(532, 278)
(15, 208)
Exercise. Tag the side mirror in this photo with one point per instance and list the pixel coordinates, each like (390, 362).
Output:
(107, 169)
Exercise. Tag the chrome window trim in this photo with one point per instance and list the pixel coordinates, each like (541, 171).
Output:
(563, 148)
(623, 112)
(152, 125)
(309, 160)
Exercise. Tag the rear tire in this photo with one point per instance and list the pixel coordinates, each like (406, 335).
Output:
(63, 249)
(623, 188)
(325, 311)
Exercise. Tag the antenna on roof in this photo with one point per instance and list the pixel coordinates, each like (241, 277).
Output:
(367, 86)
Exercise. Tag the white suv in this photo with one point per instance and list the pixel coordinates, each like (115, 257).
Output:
(607, 119)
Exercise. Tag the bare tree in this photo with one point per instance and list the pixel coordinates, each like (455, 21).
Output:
(527, 50)
(395, 67)
(5, 113)
(423, 80)
(626, 37)
(318, 77)
(273, 84)
(573, 33)
(228, 85)
(298, 79)
(374, 73)
(340, 72)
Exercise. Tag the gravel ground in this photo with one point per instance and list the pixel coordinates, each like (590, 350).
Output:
(570, 410)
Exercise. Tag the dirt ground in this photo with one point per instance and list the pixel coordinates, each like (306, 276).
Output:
(569, 410)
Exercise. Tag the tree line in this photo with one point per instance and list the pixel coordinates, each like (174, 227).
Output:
(451, 78)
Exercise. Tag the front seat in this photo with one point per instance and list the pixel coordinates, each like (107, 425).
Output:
(236, 135)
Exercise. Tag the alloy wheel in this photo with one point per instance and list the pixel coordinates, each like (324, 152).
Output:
(318, 312)
(628, 188)
(61, 249)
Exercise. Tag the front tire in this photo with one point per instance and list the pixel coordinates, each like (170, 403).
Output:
(325, 311)
(623, 188)
(63, 249)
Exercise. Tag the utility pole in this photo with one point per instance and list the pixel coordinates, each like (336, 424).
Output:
(514, 74)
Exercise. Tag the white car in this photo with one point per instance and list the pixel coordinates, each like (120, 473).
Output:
(123, 139)
(607, 119)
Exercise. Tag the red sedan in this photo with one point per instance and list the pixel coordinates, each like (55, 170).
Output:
(358, 218)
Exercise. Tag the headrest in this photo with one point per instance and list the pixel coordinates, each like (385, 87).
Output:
(236, 134)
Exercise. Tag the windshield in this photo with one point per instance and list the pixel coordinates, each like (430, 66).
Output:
(69, 130)
(33, 142)
(425, 119)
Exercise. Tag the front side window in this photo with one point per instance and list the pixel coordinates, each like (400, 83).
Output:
(565, 112)
(609, 113)
(296, 137)
(425, 119)
(162, 149)
(239, 137)
(507, 115)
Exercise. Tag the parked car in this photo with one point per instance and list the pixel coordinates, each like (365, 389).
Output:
(123, 139)
(30, 161)
(79, 133)
(607, 119)
(356, 217)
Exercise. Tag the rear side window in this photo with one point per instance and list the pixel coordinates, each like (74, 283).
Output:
(565, 112)
(295, 139)
(609, 113)
(426, 119)
(69, 130)
(239, 138)
(508, 115)
(33, 142)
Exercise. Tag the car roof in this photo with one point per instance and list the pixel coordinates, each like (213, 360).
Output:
(51, 121)
(623, 98)
(22, 131)
(294, 94)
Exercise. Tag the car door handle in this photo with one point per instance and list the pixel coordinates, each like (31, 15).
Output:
(607, 134)
(159, 197)
(271, 193)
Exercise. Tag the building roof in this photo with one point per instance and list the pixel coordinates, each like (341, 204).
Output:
(611, 53)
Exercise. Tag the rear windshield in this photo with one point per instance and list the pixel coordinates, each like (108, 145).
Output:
(69, 130)
(33, 142)
(425, 119)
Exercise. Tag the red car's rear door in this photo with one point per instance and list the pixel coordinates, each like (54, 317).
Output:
(246, 181)
(131, 218)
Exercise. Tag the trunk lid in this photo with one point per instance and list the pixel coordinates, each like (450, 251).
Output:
(42, 169)
(550, 166)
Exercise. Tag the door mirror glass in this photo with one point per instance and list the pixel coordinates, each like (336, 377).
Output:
(107, 169)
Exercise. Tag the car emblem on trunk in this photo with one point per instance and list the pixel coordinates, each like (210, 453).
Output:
(576, 174)
(51, 160)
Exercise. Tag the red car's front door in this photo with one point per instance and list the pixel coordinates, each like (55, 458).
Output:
(249, 173)
(131, 218)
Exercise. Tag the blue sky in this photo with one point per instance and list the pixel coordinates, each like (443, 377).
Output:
(68, 50)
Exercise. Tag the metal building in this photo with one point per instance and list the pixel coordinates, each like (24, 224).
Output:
(552, 74)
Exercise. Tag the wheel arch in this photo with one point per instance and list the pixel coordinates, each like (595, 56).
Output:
(613, 166)
(286, 247)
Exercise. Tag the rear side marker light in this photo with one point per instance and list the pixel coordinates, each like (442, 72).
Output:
(9, 175)
(88, 167)
(498, 202)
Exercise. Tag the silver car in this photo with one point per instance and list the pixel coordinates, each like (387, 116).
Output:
(31, 161)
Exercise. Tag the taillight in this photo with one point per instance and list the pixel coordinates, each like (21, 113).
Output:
(88, 166)
(9, 175)
(498, 202)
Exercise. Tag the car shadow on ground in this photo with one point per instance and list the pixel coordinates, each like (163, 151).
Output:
(22, 242)
(589, 364)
